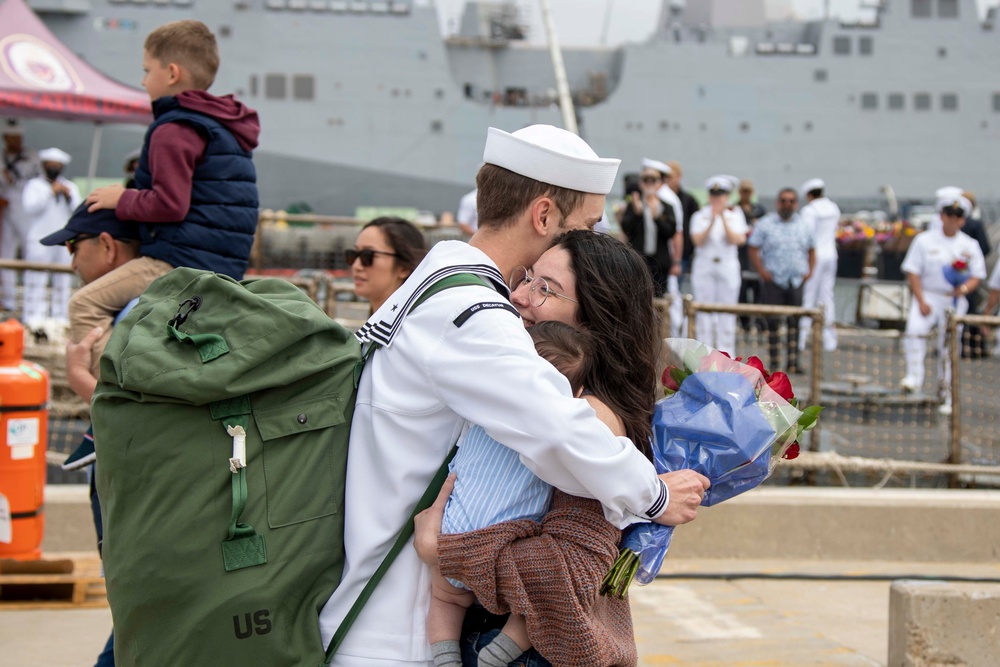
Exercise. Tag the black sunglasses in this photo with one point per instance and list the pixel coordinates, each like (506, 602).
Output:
(954, 211)
(786, 200)
(367, 255)
(71, 244)
(650, 179)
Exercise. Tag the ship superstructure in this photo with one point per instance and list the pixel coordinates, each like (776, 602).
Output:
(362, 102)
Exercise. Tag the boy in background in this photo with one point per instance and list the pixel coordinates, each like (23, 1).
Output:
(197, 187)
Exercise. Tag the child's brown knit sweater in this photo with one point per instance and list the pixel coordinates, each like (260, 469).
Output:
(550, 573)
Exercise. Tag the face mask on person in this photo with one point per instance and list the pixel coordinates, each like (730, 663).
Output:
(52, 173)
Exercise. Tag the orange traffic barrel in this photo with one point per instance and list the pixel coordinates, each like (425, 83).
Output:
(24, 392)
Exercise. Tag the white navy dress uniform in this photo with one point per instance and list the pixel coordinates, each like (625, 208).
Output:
(47, 213)
(715, 269)
(928, 255)
(823, 217)
(15, 172)
(467, 214)
(670, 198)
(464, 356)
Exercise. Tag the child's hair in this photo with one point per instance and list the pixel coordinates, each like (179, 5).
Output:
(567, 348)
(187, 43)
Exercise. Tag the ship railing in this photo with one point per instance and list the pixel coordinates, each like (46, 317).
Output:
(872, 432)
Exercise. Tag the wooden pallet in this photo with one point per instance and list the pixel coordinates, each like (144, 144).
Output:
(58, 581)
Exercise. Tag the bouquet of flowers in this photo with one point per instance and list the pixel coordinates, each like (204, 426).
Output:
(724, 418)
(956, 274)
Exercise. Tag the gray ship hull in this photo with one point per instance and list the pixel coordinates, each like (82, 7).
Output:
(369, 106)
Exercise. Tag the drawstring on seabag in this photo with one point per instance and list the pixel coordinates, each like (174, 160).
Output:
(243, 547)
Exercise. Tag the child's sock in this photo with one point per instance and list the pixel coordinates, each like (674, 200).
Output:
(447, 653)
(500, 652)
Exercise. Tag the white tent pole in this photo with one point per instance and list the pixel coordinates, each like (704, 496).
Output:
(95, 151)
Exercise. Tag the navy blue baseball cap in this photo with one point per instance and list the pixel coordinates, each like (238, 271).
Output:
(84, 223)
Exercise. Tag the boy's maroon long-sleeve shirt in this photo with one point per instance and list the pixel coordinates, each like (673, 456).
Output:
(175, 149)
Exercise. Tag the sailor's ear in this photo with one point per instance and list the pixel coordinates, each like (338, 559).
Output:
(545, 216)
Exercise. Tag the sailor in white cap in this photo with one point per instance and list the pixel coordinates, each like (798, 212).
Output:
(822, 216)
(942, 266)
(463, 356)
(650, 223)
(19, 165)
(717, 231)
(48, 200)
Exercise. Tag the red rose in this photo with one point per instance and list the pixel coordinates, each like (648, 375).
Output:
(755, 362)
(669, 383)
(780, 383)
(960, 265)
(792, 451)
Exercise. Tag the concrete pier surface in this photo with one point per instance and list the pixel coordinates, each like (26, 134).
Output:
(805, 580)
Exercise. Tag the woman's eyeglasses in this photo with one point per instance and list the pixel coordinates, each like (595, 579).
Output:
(367, 256)
(538, 288)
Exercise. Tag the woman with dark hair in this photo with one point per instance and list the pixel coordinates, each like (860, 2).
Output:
(550, 572)
(385, 253)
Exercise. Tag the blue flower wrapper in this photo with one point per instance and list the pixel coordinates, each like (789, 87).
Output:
(956, 278)
(724, 422)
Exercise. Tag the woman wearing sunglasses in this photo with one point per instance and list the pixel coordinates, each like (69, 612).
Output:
(549, 573)
(650, 224)
(384, 254)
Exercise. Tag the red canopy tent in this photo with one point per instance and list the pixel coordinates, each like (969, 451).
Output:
(41, 78)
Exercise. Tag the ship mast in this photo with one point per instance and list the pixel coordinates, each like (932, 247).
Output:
(562, 82)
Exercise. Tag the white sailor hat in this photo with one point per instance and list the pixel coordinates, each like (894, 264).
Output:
(949, 197)
(551, 155)
(656, 165)
(721, 183)
(54, 155)
(11, 126)
(812, 184)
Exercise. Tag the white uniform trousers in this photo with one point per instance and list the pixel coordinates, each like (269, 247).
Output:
(677, 325)
(716, 282)
(818, 292)
(12, 238)
(918, 329)
(37, 304)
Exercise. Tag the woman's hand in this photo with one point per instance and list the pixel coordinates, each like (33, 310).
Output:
(427, 525)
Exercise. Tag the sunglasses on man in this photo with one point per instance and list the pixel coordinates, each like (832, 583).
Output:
(954, 211)
(367, 256)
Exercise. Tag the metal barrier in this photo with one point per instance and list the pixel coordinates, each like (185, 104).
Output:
(975, 418)
(872, 432)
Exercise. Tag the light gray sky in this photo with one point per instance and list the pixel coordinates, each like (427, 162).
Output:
(580, 22)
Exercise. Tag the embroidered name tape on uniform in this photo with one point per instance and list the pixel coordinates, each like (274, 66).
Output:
(479, 307)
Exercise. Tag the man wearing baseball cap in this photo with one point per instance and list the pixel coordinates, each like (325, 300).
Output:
(98, 242)
(459, 357)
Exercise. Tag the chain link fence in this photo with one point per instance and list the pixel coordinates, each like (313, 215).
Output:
(872, 431)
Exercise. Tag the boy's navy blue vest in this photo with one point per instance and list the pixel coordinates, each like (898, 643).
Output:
(218, 232)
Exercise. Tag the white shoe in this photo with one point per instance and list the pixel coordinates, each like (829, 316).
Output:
(908, 385)
(944, 409)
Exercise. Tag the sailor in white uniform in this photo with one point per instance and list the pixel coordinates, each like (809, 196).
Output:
(464, 355)
(822, 216)
(47, 201)
(670, 198)
(19, 166)
(717, 230)
(931, 255)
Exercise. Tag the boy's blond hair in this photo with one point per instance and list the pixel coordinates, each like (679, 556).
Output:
(189, 44)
